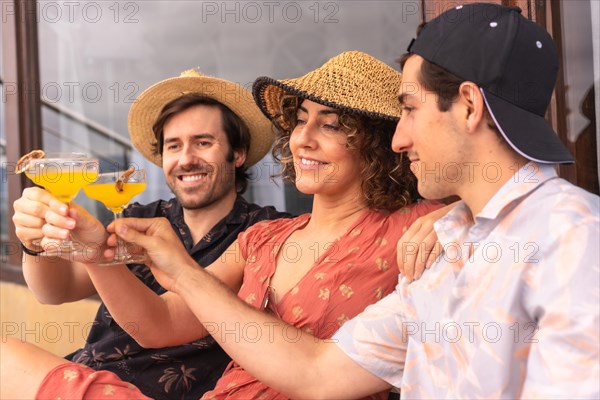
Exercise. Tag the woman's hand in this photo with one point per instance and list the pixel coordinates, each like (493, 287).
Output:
(156, 237)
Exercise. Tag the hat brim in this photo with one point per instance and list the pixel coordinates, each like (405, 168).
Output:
(528, 134)
(268, 92)
(147, 107)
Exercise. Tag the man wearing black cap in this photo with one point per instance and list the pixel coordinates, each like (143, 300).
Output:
(510, 308)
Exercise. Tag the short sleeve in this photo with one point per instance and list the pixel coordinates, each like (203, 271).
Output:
(374, 339)
(248, 238)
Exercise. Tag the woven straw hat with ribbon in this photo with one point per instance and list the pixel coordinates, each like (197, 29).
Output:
(147, 107)
(352, 81)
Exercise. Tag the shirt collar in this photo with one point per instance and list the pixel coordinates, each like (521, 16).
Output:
(524, 181)
(239, 212)
(237, 216)
(527, 179)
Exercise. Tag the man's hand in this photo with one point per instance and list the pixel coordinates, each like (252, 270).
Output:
(29, 216)
(43, 222)
(418, 248)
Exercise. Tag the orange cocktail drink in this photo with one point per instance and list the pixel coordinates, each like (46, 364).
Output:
(63, 175)
(115, 190)
(110, 197)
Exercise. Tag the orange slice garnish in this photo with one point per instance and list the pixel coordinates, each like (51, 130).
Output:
(23, 163)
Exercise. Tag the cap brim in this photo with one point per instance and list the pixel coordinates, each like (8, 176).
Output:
(528, 134)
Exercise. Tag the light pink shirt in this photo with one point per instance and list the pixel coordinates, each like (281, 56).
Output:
(510, 309)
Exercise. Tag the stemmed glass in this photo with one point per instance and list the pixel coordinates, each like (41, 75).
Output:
(63, 174)
(115, 190)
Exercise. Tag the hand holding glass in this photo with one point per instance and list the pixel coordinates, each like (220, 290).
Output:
(115, 196)
(63, 174)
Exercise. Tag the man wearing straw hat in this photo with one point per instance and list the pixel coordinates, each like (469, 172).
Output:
(510, 309)
(204, 132)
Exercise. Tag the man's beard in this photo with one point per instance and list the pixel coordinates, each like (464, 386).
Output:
(210, 192)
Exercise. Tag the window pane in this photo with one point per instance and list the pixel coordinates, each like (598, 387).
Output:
(4, 206)
(3, 172)
(578, 65)
(97, 56)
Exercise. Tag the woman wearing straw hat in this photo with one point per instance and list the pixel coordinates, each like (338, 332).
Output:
(333, 137)
(334, 128)
(316, 271)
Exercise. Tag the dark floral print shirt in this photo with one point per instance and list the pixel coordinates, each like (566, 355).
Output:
(179, 372)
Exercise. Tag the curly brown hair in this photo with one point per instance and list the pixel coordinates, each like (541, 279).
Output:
(387, 182)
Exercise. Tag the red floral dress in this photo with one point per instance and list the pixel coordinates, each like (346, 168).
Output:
(358, 269)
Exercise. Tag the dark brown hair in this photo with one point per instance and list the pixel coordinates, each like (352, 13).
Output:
(387, 183)
(238, 134)
(443, 83)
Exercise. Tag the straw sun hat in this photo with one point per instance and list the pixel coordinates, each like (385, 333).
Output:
(147, 107)
(352, 81)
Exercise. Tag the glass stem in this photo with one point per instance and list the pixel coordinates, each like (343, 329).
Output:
(68, 242)
(121, 251)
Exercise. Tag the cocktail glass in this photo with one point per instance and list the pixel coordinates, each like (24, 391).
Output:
(63, 174)
(115, 190)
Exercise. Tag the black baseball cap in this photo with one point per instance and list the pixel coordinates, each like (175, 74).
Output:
(512, 60)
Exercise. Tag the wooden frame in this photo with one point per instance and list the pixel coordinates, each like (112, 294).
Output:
(22, 94)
